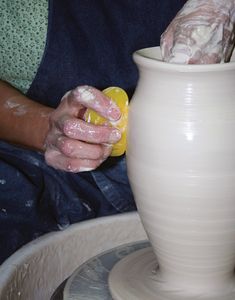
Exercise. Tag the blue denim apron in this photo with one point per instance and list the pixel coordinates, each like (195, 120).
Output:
(88, 42)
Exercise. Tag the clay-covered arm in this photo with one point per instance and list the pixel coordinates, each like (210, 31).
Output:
(68, 141)
(22, 121)
(202, 32)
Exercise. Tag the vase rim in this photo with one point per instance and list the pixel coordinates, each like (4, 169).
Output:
(151, 58)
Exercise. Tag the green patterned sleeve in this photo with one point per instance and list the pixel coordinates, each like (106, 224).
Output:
(23, 30)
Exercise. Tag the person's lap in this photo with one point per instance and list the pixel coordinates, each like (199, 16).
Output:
(36, 199)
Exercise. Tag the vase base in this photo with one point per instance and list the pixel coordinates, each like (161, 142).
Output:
(135, 277)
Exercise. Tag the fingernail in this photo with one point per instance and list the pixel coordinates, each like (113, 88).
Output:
(114, 114)
(114, 136)
(107, 150)
(85, 169)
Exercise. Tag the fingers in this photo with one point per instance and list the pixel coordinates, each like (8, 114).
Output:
(77, 149)
(80, 130)
(202, 32)
(92, 98)
(196, 45)
(58, 160)
(229, 44)
(74, 145)
(65, 149)
(75, 156)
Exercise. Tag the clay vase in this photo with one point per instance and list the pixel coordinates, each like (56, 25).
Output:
(181, 166)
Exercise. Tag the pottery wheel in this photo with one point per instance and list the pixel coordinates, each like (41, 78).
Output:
(135, 277)
(90, 280)
(127, 272)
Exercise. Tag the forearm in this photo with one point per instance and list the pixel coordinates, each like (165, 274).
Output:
(22, 121)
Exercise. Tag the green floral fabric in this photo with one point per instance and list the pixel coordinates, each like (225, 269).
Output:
(23, 29)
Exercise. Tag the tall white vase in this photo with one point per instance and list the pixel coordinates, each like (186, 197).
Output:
(181, 166)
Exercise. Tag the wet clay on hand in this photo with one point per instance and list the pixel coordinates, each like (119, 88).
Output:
(201, 33)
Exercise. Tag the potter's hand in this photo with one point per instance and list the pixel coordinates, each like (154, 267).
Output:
(74, 145)
(202, 32)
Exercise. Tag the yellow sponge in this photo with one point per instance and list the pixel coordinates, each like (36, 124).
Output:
(120, 97)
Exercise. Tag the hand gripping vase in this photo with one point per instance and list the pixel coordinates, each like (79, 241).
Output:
(181, 166)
